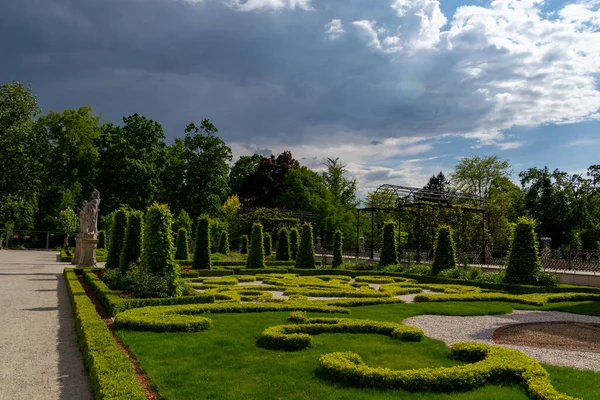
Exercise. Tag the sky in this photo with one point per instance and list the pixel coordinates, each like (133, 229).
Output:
(397, 89)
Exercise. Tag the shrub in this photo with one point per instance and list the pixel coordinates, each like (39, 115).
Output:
(268, 244)
(294, 243)
(117, 238)
(132, 247)
(490, 364)
(523, 259)
(453, 273)
(545, 279)
(338, 258)
(183, 251)
(157, 250)
(256, 256)
(306, 253)
(419, 270)
(474, 274)
(224, 243)
(283, 245)
(244, 244)
(116, 279)
(491, 277)
(389, 255)
(111, 375)
(445, 255)
(202, 250)
(101, 239)
(182, 220)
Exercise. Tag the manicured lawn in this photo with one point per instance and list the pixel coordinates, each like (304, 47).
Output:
(225, 363)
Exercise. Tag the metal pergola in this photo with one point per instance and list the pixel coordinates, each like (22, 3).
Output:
(417, 199)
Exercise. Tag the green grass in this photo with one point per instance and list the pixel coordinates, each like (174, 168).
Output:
(225, 363)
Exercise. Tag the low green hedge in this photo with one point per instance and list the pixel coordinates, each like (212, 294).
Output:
(113, 304)
(242, 263)
(298, 337)
(65, 258)
(492, 364)
(111, 375)
(349, 302)
(189, 274)
(334, 293)
(538, 299)
(374, 279)
(187, 318)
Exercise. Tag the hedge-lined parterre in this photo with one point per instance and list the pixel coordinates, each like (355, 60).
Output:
(490, 364)
(538, 299)
(298, 336)
(188, 318)
(374, 279)
(111, 375)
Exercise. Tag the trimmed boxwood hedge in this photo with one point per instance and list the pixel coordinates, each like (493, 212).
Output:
(256, 256)
(298, 337)
(283, 251)
(202, 249)
(294, 243)
(523, 261)
(389, 253)
(244, 244)
(444, 256)
(224, 243)
(132, 244)
(111, 375)
(117, 238)
(306, 251)
(183, 250)
(491, 364)
(537, 299)
(186, 318)
(338, 258)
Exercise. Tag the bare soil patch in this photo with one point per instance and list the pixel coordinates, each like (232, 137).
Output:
(565, 335)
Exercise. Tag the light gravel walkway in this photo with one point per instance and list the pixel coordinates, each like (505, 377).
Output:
(481, 328)
(39, 357)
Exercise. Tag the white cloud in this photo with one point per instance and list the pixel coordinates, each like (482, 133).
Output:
(510, 145)
(584, 142)
(273, 5)
(334, 29)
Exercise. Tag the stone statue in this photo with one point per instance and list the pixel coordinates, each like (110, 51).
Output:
(86, 241)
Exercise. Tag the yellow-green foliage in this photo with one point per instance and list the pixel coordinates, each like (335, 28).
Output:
(374, 279)
(111, 375)
(187, 318)
(227, 280)
(491, 364)
(298, 337)
(537, 299)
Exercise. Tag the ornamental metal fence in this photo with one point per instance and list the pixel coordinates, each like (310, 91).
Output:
(32, 239)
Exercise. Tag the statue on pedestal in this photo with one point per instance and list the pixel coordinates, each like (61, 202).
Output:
(87, 239)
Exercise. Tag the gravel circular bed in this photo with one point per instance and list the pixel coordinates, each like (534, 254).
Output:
(481, 329)
(557, 335)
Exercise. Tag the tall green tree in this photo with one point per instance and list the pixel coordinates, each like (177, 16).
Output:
(117, 239)
(475, 175)
(283, 245)
(207, 169)
(132, 245)
(224, 243)
(263, 187)
(341, 187)
(389, 252)
(182, 252)
(202, 249)
(294, 243)
(68, 223)
(306, 251)
(256, 256)
(338, 258)
(241, 170)
(445, 254)
(523, 261)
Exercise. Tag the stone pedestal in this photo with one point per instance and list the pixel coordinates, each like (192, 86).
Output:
(85, 251)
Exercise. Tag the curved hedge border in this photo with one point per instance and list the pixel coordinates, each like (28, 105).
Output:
(113, 304)
(294, 337)
(491, 364)
(334, 293)
(531, 299)
(111, 375)
(186, 318)
(374, 279)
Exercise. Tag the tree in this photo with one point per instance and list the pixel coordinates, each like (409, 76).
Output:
(173, 185)
(294, 243)
(306, 252)
(132, 160)
(475, 175)
(389, 253)
(268, 244)
(183, 251)
(224, 243)
(263, 187)
(523, 261)
(338, 258)
(132, 246)
(444, 255)
(202, 249)
(158, 249)
(244, 244)
(241, 170)
(207, 168)
(283, 245)
(183, 221)
(101, 239)
(117, 237)
(256, 256)
(439, 184)
(68, 223)
(341, 188)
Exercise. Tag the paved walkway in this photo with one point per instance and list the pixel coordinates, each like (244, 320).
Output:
(39, 357)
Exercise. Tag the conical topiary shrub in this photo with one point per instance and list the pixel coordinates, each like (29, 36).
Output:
(244, 244)
(338, 258)
(183, 250)
(268, 244)
(444, 254)
(523, 261)
(294, 243)
(283, 245)
(117, 239)
(224, 243)
(101, 239)
(202, 250)
(256, 256)
(306, 252)
(132, 246)
(389, 254)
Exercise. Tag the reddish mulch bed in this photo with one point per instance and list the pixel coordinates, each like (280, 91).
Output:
(557, 335)
(151, 393)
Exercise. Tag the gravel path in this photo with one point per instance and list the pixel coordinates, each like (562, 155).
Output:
(481, 328)
(410, 298)
(39, 357)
